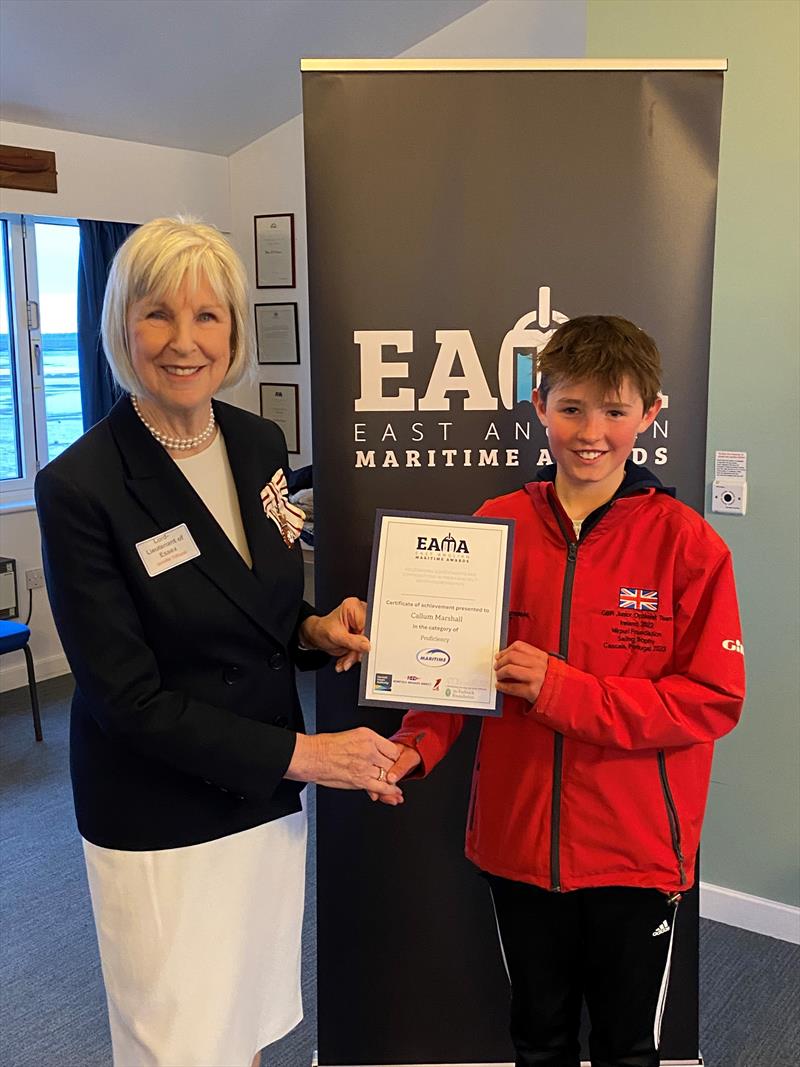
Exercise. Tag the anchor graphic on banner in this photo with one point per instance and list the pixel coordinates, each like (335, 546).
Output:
(521, 345)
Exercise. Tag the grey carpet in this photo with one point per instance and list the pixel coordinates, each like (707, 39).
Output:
(52, 1006)
(749, 998)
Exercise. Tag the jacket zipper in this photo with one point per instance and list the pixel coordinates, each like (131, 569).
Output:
(474, 796)
(672, 815)
(558, 739)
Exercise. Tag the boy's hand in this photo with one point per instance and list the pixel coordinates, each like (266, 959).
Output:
(405, 763)
(520, 670)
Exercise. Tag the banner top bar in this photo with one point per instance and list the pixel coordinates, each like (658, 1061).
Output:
(331, 65)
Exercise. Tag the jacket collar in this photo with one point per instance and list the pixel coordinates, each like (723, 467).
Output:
(637, 481)
(167, 496)
(636, 478)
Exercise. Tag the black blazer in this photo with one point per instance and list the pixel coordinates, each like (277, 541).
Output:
(185, 708)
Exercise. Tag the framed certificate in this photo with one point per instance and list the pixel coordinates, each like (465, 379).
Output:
(274, 243)
(279, 403)
(277, 338)
(438, 612)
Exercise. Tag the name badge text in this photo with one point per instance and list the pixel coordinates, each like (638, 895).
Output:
(167, 550)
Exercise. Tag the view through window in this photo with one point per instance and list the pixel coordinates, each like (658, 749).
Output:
(40, 399)
(57, 269)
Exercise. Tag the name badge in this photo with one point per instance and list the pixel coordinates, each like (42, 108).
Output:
(167, 550)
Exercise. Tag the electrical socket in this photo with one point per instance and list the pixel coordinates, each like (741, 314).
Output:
(34, 578)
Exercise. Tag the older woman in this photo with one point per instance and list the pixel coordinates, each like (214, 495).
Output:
(175, 579)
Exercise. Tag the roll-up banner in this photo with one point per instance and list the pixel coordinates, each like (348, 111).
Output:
(457, 213)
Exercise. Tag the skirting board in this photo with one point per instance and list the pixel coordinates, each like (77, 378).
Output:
(747, 912)
(45, 667)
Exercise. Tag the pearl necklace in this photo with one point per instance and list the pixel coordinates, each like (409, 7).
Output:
(178, 444)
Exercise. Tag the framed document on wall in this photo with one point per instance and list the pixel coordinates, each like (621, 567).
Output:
(274, 246)
(277, 338)
(279, 402)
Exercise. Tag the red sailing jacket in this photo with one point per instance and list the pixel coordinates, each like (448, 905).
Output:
(603, 780)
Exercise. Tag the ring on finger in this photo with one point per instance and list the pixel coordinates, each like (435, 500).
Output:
(381, 774)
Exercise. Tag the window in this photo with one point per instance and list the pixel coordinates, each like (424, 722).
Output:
(40, 401)
(10, 457)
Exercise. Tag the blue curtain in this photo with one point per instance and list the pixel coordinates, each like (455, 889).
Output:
(99, 242)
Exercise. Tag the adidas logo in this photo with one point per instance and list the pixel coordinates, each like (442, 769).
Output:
(662, 929)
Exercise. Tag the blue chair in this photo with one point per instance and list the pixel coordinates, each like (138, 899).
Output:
(15, 636)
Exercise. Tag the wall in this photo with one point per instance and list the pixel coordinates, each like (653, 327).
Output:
(98, 178)
(120, 181)
(268, 177)
(752, 832)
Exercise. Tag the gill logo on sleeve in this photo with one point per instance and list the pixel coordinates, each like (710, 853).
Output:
(733, 646)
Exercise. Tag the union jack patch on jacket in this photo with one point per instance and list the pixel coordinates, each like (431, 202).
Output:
(638, 599)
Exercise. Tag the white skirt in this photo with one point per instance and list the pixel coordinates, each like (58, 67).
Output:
(200, 946)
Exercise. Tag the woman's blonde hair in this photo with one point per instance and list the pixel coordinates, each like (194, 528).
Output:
(153, 262)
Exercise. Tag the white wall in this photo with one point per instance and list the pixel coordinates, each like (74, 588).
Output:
(19, 539)
(267, 177)
(120, 181)
(117, 181)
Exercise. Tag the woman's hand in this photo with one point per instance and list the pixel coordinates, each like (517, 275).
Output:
(353, 759)
(340, 633)
(520, 670)
(405, 763)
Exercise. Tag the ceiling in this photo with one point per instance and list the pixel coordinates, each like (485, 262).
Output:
(208, 75)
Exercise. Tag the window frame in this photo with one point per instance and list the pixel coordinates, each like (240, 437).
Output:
(20, 490)
(25, 323)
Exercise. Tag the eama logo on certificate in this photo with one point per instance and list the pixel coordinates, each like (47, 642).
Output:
(433, 657)
(442, 544)
(383, 683)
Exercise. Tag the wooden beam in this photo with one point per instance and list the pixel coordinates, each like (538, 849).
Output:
(27, 168)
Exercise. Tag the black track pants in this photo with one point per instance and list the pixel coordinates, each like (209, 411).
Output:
(610, 946)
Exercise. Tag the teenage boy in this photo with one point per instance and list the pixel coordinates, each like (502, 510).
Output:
(624, 665)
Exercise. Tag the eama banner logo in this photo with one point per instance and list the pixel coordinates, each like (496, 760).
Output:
(515, 365)
(459, 381)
